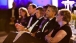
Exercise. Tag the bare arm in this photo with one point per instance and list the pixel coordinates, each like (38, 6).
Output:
(50, 33)
(58, 37)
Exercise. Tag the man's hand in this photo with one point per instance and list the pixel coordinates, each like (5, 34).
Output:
(19, 27)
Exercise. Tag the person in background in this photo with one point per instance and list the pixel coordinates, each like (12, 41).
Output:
(13, 14)
(63, 33)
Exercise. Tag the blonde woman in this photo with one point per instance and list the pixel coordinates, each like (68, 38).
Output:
(63, 33)
(23, 15)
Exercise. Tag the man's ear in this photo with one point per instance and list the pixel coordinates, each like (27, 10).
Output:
(54, 13)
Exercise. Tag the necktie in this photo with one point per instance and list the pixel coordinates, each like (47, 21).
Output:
(42, 23)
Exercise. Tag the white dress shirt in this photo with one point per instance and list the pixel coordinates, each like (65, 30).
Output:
(31, 28)
(29, 22)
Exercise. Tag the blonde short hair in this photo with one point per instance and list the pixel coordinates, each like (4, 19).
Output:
(66, 14)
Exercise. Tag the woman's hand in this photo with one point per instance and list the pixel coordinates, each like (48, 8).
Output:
(19, 27)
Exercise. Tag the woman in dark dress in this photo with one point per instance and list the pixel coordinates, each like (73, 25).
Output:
(63, 33)
(23, 18)
(23, 14)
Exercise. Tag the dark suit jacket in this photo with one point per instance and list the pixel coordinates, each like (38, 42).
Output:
(37, 25)
(27, 38)
(49, 27)
(24, 38)
(10, 37)
(33, 20)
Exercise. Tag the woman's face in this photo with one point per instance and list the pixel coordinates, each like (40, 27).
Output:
(22, 13)
(59, 17)
(37, 13)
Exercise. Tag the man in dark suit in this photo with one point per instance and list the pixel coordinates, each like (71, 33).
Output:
(39, 15)
(49, 25)
(10, 37)
(32, 18)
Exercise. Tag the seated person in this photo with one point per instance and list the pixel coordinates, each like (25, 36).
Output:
(63, 33)
(22, 20)
(23, 15)
(32, 18)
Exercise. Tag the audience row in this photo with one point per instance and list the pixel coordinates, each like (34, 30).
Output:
(41, 25)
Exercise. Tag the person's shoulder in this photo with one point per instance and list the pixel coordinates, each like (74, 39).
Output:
(66, 28)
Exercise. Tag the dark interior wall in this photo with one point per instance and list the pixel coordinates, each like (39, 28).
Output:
(3, 19)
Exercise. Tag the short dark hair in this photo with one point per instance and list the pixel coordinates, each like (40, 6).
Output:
(55, 9)
(46, 6)
(40, 9)
(33, 5)
(66, 14)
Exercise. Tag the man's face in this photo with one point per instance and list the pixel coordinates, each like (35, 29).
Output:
(30, 9)
(49, 12)
(38, 13)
